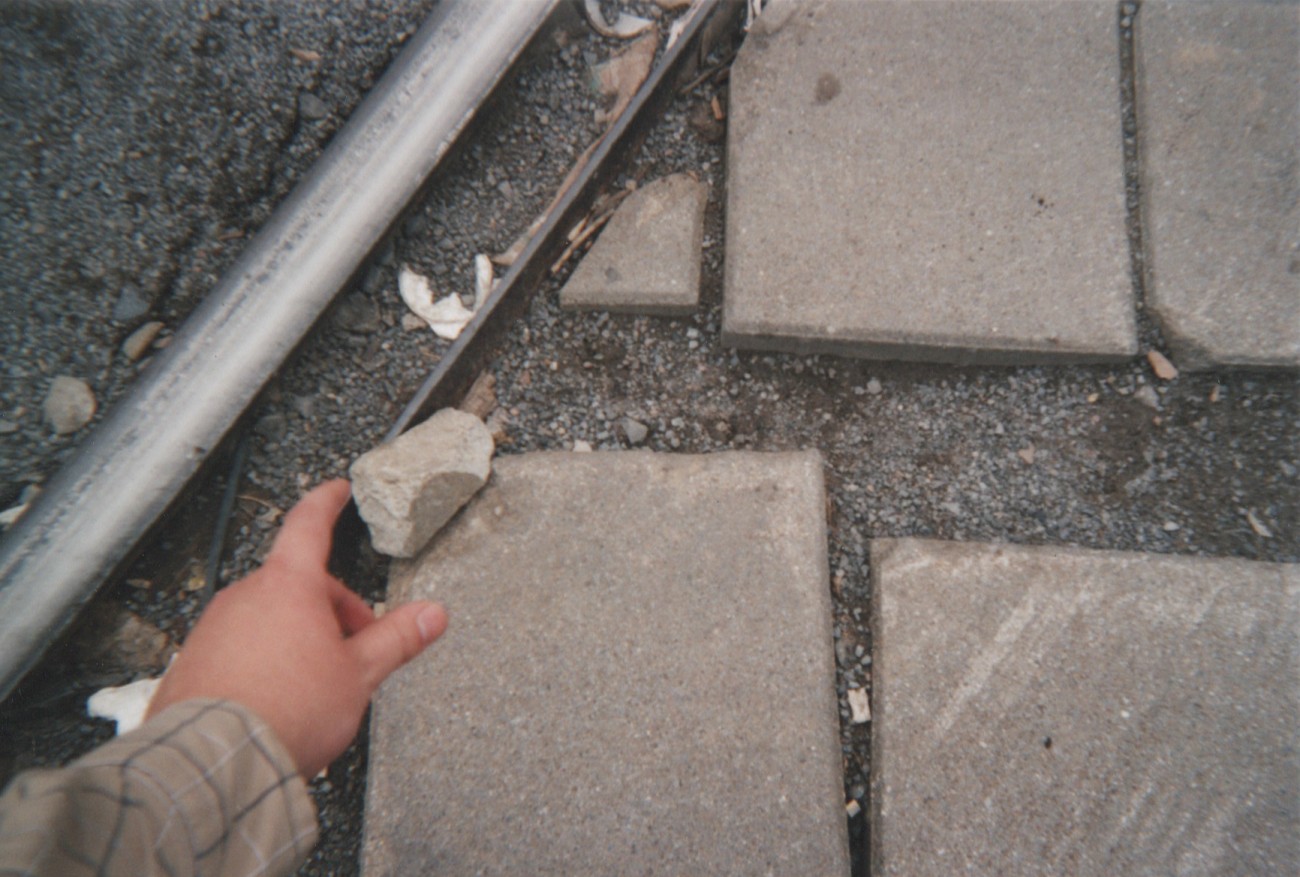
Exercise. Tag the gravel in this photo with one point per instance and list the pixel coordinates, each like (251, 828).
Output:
(1075, 456)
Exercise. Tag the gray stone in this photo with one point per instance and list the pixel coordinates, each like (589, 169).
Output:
(618, 693)
(311, 107)
(358, 313)
(647, 259)
(1148, 396)
(929, 181)
(1062, 711)
(69, 405)
(635, 431)
(408, 488)
(131, 304)
(1219, 124)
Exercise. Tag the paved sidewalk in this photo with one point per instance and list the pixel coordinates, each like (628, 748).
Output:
(937, 181)
(638, 677)
(1060, 711)
(1219, 128)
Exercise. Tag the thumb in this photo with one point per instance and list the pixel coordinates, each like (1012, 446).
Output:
(389, 642)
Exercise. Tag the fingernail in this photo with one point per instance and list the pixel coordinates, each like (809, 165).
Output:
(430, 623)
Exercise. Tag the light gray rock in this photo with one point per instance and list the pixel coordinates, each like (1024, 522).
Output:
(647, 259)
(1062, 711)
(618, 693)
(929, 181)
(1219, 122)
(1148, 396)
(69, 405)
(131, 304)
(635, 431)
(408, 488)
(311, 107)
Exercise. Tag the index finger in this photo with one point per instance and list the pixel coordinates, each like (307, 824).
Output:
(304, 540)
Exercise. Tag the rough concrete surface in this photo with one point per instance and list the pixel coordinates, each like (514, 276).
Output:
(647, 260)
(638, 677)
(1219, 117)
(408, 488)
(1062, 711)
(929, 181)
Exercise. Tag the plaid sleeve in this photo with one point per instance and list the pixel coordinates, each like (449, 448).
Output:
(204, 788)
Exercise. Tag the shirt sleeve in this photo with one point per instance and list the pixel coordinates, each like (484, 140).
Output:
(204, 789)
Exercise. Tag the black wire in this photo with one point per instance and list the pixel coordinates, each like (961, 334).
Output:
(212, 569)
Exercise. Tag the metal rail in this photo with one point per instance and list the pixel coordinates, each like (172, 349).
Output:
(136, 463)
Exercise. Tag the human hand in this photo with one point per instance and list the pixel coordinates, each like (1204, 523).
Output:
(294, 645)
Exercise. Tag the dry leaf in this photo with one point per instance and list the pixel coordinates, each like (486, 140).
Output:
(482, 396)
(621, 76)
(483, 279)
(307, 56)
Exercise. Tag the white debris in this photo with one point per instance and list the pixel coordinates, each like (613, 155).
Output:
(1257, 525)
(124, 704)
(581, 447)
(852, 808)
(753, 9)
(9, 517)
(483, 279)
(446, 317)
(859, 706)
(624, 27)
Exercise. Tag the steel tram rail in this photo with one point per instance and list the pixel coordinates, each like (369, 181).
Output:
(135, 464)
(95, 512)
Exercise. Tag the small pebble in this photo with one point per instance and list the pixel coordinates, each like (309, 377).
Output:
(635, 430)
(69, 405)
(1147, 396)
(137, 343)
(1160, 364)
(311, 107)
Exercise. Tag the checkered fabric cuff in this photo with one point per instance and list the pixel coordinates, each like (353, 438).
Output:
(204, 788)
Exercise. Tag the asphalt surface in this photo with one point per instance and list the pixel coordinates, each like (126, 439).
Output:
(144, 142)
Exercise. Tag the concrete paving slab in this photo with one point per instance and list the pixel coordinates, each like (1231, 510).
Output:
(929, 181)
(638, 677)
(1062, 711)
(1219, 134)
(647, 259)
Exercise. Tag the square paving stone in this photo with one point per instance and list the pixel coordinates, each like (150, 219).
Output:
(1063, 711)
(647, 259)
(638, 677)
(929, 181)
(1219, 131)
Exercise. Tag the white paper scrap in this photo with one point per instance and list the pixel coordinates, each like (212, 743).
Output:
(859, 706)
(446, 317)
(124, 704)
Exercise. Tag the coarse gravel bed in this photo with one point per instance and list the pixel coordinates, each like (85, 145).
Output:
(1103, 457)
